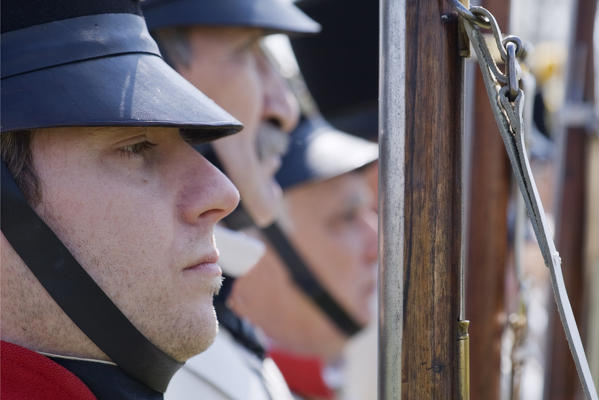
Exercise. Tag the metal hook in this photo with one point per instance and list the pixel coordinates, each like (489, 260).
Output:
(512, 71)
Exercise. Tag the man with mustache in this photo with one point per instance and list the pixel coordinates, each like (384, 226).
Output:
(313, 289)
(217, 46)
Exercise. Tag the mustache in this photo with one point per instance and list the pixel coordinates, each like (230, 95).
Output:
(271, 141)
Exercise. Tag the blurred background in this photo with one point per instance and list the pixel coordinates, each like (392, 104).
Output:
(518, 349)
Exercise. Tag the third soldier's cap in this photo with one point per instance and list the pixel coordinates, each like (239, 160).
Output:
(273, 15)
(318, 152)
(93, 63)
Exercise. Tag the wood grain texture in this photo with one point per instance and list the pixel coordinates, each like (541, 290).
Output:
(432, 208)
(487, 246)
(561, 379)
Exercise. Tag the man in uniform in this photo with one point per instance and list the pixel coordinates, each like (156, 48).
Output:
(216, 45)
(340, 67)
(313, 289)
(108, 264)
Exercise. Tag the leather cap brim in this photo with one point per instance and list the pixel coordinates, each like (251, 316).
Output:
(277, 16)
(126, 90)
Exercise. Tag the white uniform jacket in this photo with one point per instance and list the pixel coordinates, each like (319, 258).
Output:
(227, 370)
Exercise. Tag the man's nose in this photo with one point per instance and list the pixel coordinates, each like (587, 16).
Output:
(370, 232)
(208, 196)
(280, 105)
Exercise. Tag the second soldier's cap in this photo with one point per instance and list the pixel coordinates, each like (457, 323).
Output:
(273, 15)
(89, 63)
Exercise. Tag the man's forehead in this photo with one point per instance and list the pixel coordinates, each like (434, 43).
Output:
(349, 189)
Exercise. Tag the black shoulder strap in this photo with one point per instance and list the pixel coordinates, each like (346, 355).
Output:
(77, 293)
(308, 283)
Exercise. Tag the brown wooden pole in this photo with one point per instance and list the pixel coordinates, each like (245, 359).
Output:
(432, 201)
(592, 258)
(486, 249)
(561, 379)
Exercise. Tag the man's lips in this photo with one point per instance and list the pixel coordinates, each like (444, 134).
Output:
(207, 264)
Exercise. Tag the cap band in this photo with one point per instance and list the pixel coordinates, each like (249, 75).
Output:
(71, 40)
(77, 293)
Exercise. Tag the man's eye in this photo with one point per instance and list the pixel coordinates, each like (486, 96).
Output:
(137, 148)
(349, 216)
(346, 217)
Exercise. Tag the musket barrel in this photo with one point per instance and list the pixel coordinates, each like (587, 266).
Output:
(391, 197)
(420, 200)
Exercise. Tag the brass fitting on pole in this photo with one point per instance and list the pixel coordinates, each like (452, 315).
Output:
(464, 360)
(463, 41)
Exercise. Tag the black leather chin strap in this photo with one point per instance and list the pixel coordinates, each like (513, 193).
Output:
(77, 293)
(308, 283)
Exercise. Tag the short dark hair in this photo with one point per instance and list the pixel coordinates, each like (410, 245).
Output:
(16, 153)
(174, 45)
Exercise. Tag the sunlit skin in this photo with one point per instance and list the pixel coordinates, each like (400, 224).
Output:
(334, 228)
(371, 173)
(137, 208)
(229, 65)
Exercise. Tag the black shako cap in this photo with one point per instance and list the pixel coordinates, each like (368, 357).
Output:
(93, 63)
(340, 65)
(318, 152)
(273, 15)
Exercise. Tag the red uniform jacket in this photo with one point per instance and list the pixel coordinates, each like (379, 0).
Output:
(303, 374)
(27, 375)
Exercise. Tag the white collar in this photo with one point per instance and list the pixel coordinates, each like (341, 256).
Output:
(76, 358)
(238, 251)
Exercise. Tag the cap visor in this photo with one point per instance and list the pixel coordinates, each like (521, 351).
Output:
(135, 89)
(278, 16)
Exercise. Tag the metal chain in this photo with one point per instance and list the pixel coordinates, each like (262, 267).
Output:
(506, 100)
(510, 47)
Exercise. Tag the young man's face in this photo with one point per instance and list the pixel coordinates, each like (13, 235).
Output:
(335, 231)
(230, 67)
(136, 207)
(334, 228)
